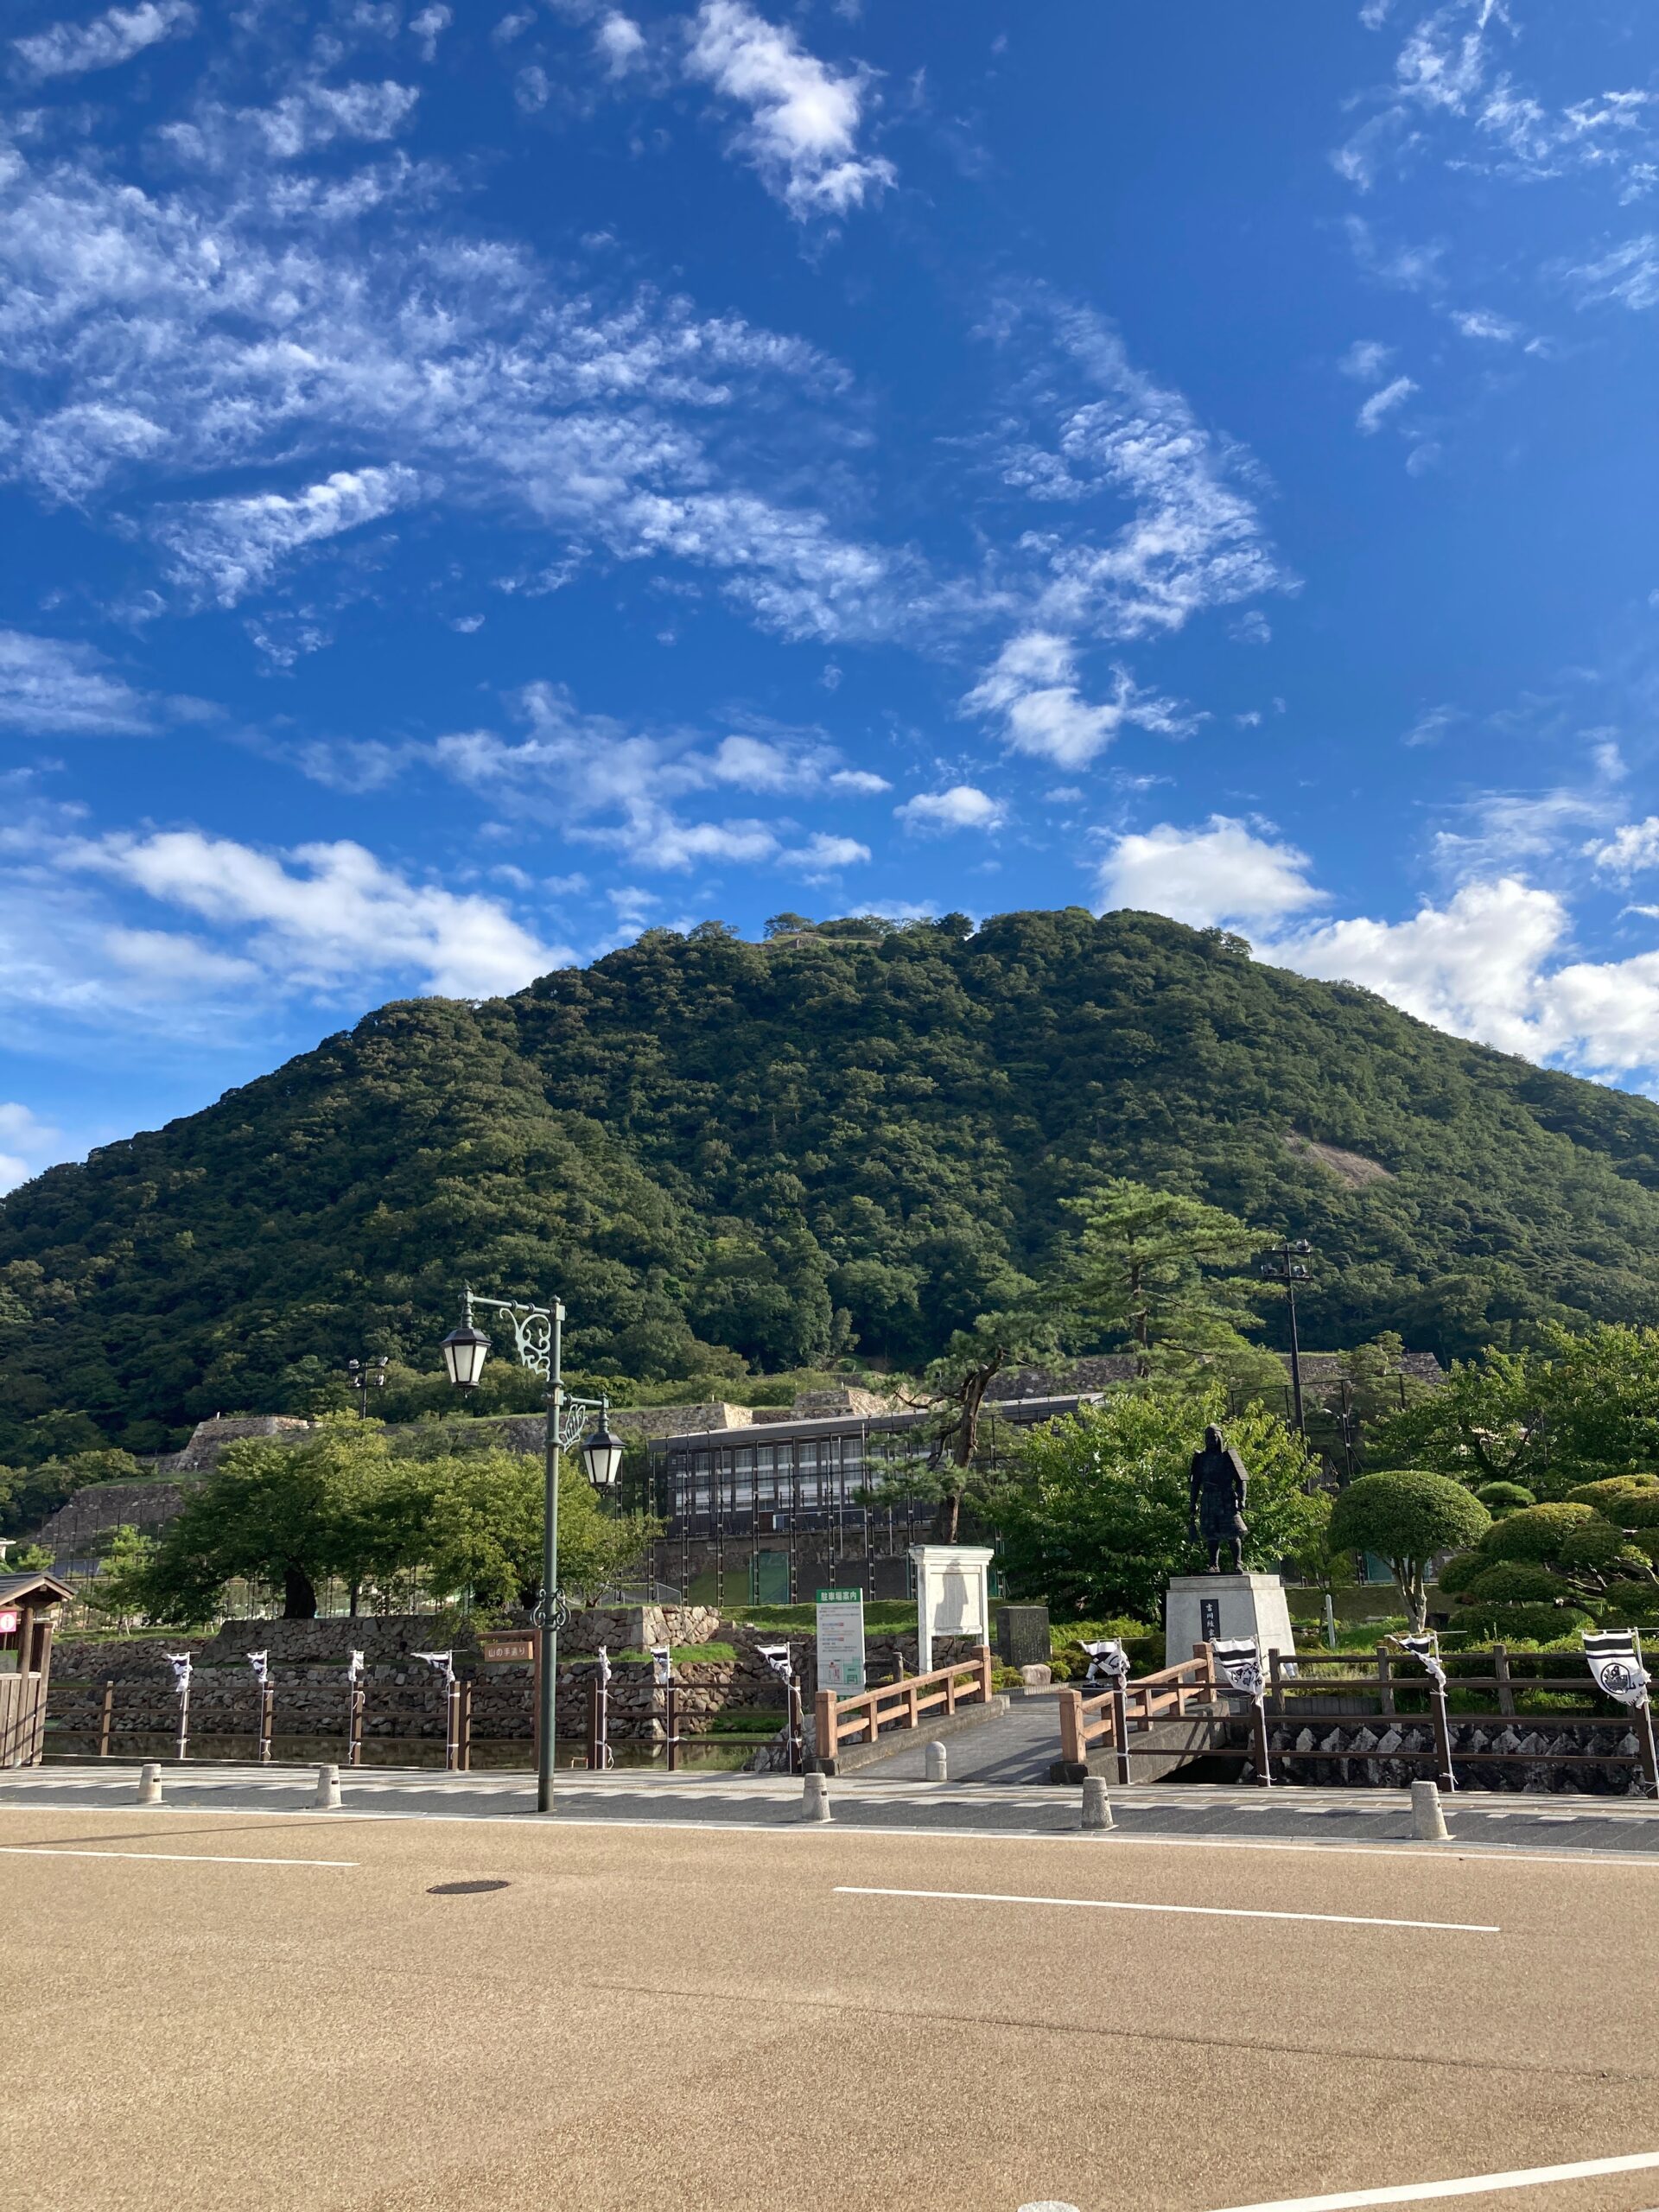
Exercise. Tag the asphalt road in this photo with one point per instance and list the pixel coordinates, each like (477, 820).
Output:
(249, 2008)
(1484, 1821)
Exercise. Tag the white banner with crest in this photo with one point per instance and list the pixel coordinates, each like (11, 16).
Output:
(1240, 1660)
(1615, 1660)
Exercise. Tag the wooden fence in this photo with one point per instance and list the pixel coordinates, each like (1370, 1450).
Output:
(861, 1717)
(1389, 1686)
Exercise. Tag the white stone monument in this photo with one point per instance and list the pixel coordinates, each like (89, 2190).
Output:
(952, 1595)
(1201, 1607)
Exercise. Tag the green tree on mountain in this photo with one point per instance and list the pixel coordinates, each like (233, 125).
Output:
(1157, 1275)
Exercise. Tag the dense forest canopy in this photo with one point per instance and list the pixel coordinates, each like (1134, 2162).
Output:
(720, 1152)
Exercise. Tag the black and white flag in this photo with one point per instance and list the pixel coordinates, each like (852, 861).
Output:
(180, 1662)
(1615, 1660)
(355, 1668)
(604, 1658)
(1426, 1648)
(777, 1657)
(1240, 1660)
(260, 1662)
(662, 1659)
(1108, 1662)
(443, 1661)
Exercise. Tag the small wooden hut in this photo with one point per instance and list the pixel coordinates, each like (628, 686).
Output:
(28, 1609)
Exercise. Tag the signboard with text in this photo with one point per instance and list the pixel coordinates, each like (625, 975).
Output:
(841, 1640)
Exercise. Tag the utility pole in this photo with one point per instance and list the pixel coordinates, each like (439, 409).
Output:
(1288, 1266)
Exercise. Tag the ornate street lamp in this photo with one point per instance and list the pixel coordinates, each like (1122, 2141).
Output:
(601, 1455)
(465, 1350)
(538, 1334)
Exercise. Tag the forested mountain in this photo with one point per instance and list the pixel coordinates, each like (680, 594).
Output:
(700, 1141)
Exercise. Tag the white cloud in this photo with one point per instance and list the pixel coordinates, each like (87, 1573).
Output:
(823, 854)
(621, 43)
(1193, 539)
(1480, 322)
(245, 334)
(316, 917)
(1629, 275)
(232, 547)
(429, 25)
(68, 49)
(803, 140)
(1367, 359)
(1222, 873)
(962, 807)
(611, 785)
(1632, 848)
(47, 685)
(1032, 687)
(1381, 404)
(27, 1144)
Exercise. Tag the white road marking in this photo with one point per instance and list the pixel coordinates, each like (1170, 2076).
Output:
(1206, 1911)
(1419, 2192)
(178, 1858)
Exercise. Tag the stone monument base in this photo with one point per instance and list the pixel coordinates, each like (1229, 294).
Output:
(1243, 1604)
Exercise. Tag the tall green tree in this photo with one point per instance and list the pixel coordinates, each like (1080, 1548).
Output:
(1406, 1517)
(1157, 1275)
(1094, 1508)
(482, 1529)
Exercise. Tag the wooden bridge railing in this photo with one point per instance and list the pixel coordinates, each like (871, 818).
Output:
(860, 1717)
(1132, 1709)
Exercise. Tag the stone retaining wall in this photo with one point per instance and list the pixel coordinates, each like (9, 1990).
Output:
(1365, 1747)
(404, 1698)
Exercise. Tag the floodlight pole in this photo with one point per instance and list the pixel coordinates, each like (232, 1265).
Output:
(1286, 1267)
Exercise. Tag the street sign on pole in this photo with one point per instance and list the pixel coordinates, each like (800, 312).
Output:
(841, 1639)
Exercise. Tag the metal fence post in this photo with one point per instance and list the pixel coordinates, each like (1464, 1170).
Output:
(1442, 1734)
(267, 1717)
(464, 1758)
(671, 1716)
(1121, 1714)
(595, 1735)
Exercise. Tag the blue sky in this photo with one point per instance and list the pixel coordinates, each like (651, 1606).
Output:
(476, 482)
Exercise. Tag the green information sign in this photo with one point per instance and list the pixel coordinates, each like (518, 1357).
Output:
(841, 1640)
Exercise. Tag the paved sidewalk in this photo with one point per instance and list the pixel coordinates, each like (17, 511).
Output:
(1624, 1827)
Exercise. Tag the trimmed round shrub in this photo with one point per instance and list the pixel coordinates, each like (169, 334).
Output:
(1500, 1498)
(1529, 1624)
(1613, 1490)
(1459, 1573)
(1406, 1514)
(1640, 1509)
(1537, 1534)
(1601, 1547)
(1630, 1601)
(1512, 1582)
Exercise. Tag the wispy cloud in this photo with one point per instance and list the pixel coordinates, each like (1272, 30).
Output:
(71, 49)
(232, 547)
(802, 139)
(1381, 404)
(52, 686)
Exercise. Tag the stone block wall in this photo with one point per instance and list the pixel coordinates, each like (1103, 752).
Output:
(404, 1698)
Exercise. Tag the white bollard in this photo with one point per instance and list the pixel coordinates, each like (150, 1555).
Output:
(937, 1763)
(1428, 1821)
(815, 1798)
(150, 1785)
(1096, 1805)
(327, 1797)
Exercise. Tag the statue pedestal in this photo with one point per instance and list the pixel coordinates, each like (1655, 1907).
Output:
(1202, 1607)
